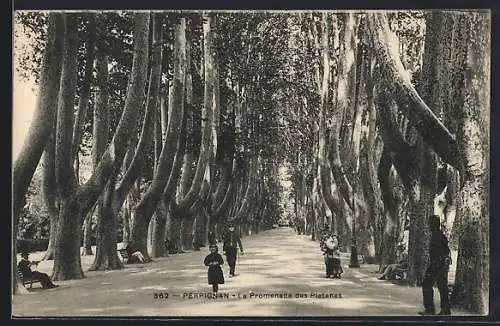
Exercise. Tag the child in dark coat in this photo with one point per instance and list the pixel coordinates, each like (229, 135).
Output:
(213, 260)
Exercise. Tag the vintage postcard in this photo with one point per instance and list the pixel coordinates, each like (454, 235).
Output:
(272, 163)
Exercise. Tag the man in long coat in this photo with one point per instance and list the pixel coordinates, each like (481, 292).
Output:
(231, 243)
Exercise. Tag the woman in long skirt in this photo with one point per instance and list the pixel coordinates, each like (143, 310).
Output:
(215, 275)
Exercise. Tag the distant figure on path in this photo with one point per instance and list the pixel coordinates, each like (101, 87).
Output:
(24, 266)
(329, 245)
(211, 238)
(215, 275)
(230, 246)
(437, 271)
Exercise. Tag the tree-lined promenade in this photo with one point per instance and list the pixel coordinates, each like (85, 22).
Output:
(157, 129)
(264, 275)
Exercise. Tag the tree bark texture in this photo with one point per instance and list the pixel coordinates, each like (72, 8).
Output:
(472, 276)
(41, 126)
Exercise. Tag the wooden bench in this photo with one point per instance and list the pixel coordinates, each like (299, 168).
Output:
(124, 254)
(450, 289)
(26, 280)
(402, 273)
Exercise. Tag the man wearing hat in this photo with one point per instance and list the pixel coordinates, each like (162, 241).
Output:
(24, 266)
(230, 246)
(437, 270)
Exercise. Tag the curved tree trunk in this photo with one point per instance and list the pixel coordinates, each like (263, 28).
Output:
(83, 102)
(329, 193)
(106, 254)
(187, 201)
(392, 194)
(79, 201)
(146, 207)
(41, 126)
(184, 205)
(372, 158)
(342, 103)
(100, 135)
(246, 200)
(434, 133)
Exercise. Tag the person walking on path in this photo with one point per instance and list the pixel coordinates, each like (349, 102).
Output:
(329, 245)
(215, 275)
(231, 243)
(437, 271)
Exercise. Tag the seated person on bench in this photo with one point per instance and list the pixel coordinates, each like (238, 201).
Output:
(135, 256)
(402, 263)
(24, 266)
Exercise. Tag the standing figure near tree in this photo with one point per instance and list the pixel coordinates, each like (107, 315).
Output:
(215, 275)
(329, 245)
(231, 244)
(211, 238)
(437, 271)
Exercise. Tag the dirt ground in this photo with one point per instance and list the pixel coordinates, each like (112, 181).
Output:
(280, 274)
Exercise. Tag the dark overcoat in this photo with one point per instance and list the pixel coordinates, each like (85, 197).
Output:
(213, 261)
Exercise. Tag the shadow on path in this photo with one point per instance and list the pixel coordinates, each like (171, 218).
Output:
(277, 262)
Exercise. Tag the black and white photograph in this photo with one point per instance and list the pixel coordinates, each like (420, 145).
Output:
(251, 163)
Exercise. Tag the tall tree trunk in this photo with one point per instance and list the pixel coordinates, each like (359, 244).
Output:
(40, 128)
(83, 102)
(49, 193)
(87, 234)
(160, 215)
(127, 217)
(187, 203)
(472, 277)
(104, 258)
(67, 263)
(100, 133)
(383, 173)
(77, 202)
(342, 103)
(150, 239)
(146, 207)
(329, 194)
(418, 236)
(106, 255)
(373, 193)
(159, 233)
(207, 115)
(174, 233)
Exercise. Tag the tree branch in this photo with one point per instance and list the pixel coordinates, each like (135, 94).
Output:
(112, 158)
(65, 177)
(434, 133)
(83, 103)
